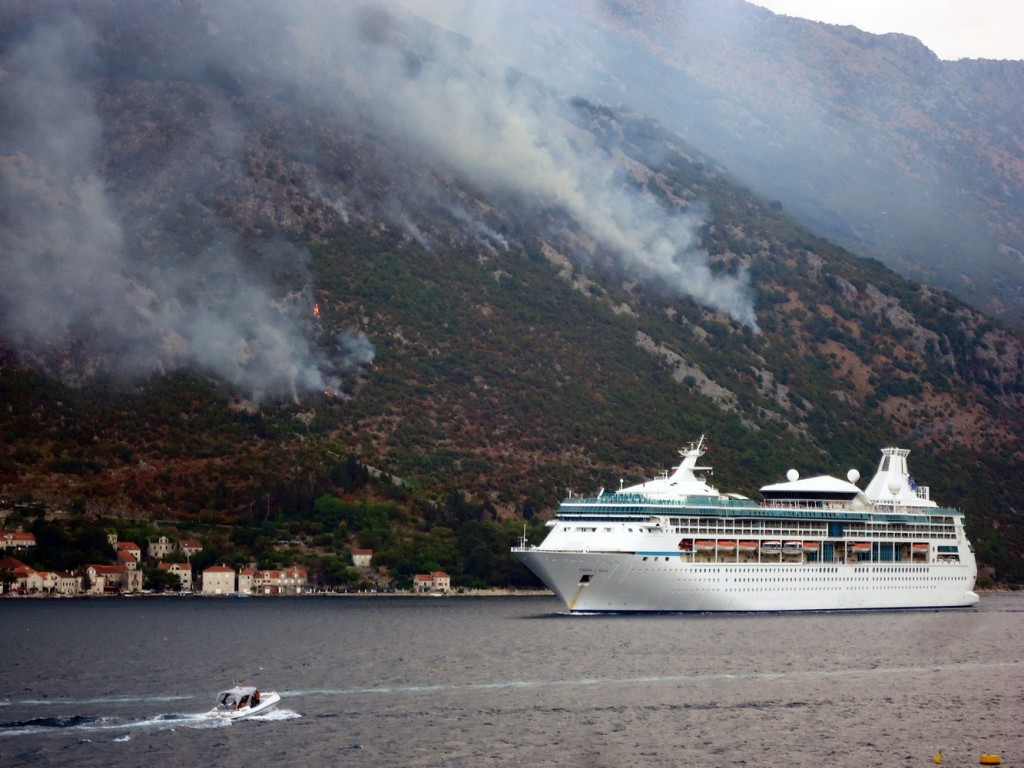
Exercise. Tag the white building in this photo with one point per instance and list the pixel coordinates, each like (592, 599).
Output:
(160, 548)
(438, 581)
(361, 557)
(218, 580)
(182, 570)
(16, 540)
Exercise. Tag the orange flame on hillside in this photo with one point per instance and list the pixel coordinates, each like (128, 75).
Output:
(316, 310)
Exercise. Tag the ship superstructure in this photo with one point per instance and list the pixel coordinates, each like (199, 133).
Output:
(675, 543)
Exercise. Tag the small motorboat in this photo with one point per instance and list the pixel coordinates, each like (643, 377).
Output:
(793, 548)
(771, 547)
(243, 701)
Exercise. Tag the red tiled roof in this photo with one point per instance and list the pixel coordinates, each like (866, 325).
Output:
(219, 569)
(108, 568)
(127, 545)
(11, 563)
(362, 552)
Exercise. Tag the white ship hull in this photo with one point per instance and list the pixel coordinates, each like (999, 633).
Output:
(676, 544)
(596, 582)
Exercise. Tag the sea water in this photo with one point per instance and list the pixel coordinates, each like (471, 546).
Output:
(465, 681)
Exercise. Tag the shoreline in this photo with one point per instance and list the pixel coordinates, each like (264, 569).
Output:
(237, 595)
(496, 592)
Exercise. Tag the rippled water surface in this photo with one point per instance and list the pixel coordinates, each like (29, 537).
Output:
(505, 681)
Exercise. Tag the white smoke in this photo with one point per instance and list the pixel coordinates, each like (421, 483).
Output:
(70, 281)
(73, 277)
(445, 100)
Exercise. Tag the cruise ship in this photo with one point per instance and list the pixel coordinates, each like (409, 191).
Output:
(676, 544)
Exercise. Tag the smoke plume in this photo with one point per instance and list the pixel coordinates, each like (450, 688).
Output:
(88, 284)
(73, 288)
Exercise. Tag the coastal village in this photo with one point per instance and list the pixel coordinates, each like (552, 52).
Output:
(124, 576)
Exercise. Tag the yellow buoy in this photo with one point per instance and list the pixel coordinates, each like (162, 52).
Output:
(991, 760)
(938, 757)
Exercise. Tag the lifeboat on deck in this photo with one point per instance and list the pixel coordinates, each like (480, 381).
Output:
(811, 546)
(859, 547)
(919, 548)
(746, 546)
(771, 547)
(793, 548)
(704, 545)
(726, 545)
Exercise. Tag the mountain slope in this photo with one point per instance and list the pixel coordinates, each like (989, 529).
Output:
(560, 306)
(870, 139)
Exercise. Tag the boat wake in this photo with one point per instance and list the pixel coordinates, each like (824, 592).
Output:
(93, 724)
(443, 688)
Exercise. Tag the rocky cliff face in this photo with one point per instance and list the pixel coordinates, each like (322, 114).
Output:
(871, 139)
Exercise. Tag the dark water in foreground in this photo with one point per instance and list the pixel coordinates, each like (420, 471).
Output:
(506, 681)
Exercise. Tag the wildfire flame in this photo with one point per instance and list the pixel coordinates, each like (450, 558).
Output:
(316, 310)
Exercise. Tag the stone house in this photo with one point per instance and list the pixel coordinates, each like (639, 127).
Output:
(288, 581)
(161, 548)
(132, 547)
(127, 558)
(247, 581)
(182, 570)
(68, 583)
(189, 547)
(218, 580)
(29, 581)
(438, 581)
(17, 540)
(361, 557)
(111, 579)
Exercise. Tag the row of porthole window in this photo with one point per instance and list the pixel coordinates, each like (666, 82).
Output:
(813, 578)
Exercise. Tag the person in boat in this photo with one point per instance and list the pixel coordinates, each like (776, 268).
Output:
(256, 698)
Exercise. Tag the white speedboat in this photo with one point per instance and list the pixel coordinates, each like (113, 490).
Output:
(243, 701)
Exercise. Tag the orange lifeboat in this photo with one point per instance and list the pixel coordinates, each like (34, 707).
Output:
(812, 546)
(919, 549)
(726, 545)
(747, 546)
(859, 547)
(704, 545)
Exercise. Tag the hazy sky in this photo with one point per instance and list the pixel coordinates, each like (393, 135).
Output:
(953, 29)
